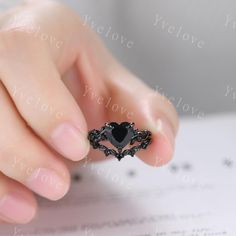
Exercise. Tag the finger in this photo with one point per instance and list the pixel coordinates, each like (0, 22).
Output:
(117, 95)
(40, 95)
(127, 98)
(24, 158)
(149, 111)
(116, 83)
(17, 204)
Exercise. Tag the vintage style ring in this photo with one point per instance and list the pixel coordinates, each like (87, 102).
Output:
(119, 135)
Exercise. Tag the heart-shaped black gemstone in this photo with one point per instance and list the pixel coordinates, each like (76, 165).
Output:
(119, 134)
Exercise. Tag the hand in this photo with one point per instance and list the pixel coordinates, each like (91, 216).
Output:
(56, 81)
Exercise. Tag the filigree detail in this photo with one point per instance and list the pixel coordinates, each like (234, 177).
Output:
(143, 137)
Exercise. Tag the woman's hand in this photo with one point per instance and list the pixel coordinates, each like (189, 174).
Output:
(58, 81)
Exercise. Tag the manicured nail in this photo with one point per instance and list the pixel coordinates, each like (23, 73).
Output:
(70, 142)
(48, 184)
(15, 208)
(164, 142)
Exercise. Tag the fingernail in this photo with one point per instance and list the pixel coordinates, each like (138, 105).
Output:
(164, 141)
(48, 184)
(70, 142)
(15, 208)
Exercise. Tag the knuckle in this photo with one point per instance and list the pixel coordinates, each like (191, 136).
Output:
(15, 46)
(15, 40)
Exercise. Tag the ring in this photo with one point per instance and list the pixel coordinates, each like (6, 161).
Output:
(119, 135)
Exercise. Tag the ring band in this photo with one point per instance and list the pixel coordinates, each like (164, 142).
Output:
(119, 135)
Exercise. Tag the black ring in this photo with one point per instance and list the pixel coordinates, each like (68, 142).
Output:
(119, 135)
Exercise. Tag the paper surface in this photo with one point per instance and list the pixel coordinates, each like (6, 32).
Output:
(194, 195)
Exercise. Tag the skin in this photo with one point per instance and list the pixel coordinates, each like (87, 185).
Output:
(55, 86)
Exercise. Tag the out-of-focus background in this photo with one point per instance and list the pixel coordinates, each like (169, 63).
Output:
(185, 49)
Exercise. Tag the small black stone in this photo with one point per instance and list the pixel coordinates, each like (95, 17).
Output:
(77, 177)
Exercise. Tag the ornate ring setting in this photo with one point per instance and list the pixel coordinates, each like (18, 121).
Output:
(120, 136)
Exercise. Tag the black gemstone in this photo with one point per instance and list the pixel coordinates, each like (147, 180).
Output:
(119, 134)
